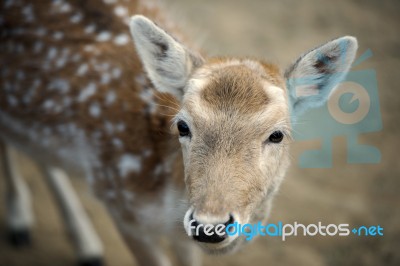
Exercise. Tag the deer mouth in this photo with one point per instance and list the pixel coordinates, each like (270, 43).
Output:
(226, 247)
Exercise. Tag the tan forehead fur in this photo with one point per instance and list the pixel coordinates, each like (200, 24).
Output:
(233, 88)
(242, 86)
(267, 71)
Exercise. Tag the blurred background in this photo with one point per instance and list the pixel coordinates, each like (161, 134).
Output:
(357, 194)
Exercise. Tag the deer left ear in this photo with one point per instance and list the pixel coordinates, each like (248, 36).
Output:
(312, 77)
(167, 62)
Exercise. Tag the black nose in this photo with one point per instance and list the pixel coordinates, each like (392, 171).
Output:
(211, 236)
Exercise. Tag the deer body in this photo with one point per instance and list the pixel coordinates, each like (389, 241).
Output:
(74, 94)
(88, 112)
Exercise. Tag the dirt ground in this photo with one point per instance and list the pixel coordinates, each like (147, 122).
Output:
(358, 194)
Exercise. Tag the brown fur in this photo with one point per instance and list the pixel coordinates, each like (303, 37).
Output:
(143, 130)
(233, 88)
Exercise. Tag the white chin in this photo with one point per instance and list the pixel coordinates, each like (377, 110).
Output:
(220, 248)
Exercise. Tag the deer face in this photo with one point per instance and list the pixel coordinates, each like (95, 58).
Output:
(234, 132)
(234, 124)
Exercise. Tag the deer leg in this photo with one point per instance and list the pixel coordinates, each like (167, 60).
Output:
(18, 200)
(147, 250)
(188, 254)
(87, 243)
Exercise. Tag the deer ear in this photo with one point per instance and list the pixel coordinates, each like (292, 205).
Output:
(167, 62)
(312, 77)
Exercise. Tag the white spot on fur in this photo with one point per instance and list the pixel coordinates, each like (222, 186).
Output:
(27, 11)
(76, 57)
(95, 110)
(108, 126)
(147, 96)
(129, 163)
(103, 36)
(65, 8)
(82, 70)
(121, 39)
(89, 48)
(158, 170)
(31, 92)
(90, 29)
(105, 78)
(117, 143)
(58, 35)
(38, 47)
(41, 32)
(88, 91)
(52, 53)
(61, 62)
(60, 85)
(76, 18)
(120, 11)
(116, 73)
(110, 97)
(12, 101)
(100, 66)
(48, 104)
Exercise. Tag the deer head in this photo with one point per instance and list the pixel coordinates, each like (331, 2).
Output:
(235, 121)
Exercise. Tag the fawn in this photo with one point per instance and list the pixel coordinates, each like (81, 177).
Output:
(162, 133)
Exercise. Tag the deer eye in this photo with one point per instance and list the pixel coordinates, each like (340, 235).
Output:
(276, 137)
(183, 129)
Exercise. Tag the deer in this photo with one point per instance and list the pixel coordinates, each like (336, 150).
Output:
(165, 136)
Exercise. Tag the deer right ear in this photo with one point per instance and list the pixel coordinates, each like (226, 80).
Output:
(315, 74)
(167, 62)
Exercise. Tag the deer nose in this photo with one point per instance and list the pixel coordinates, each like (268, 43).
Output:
(209, 232)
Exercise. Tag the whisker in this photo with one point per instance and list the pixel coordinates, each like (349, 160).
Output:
(167, 114)
(162, 105)
(158, 96)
